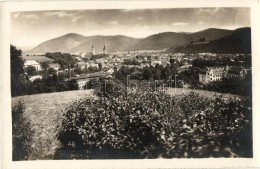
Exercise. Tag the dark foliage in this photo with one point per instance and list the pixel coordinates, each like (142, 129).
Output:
(153, 124)
(238, 42)
(22, 133)
(17, 71)
(234, 86)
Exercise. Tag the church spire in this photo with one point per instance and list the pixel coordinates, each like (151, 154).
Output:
(93, 50)
(104, 49)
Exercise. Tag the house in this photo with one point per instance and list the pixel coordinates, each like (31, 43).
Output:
(32, 63)
(236, 72)
(78, 58)
(110, 71)
(81, 82)
(33, 78)
(55, 66)
(211, 74)
(94, 65)
(156, 62)
(84, 79)
(82, 65)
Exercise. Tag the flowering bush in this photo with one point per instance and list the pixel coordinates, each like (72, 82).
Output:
(155, 124)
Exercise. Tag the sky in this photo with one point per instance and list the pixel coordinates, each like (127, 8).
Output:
(30, 28)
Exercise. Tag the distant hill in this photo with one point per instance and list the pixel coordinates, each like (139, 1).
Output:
(239, 41)
(113, 43)
(173, 39)
(59, 44)
(73, 42)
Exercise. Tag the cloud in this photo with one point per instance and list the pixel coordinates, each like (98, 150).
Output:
(179, 24)
(35, 22)
(112, 22)
(76, 18)
(200, 22)
(204, 11)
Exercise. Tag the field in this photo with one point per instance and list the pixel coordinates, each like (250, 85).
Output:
(44, 111)
(38, 58)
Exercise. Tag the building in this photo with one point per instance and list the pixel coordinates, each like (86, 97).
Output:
(82, 65)
(81, 82)
(93, 50)
(211, 74)
(109, 71)
(104, 49)
(84, 79)
(236, 72)
(55, 66)
(32, 63)
(33, 78)
(155, 62)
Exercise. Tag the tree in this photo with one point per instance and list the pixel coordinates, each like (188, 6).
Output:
(51, 71)
(17, 64)
(147, 74)
(99, 66)
(77, 71)
(73, 85)
(45, 65)
(17, 71)
(166, 72)
(31, 70)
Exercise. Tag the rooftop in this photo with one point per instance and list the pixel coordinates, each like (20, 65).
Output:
(235, 69)
(31, 62)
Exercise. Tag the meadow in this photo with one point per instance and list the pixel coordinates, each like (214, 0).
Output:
(44, 111)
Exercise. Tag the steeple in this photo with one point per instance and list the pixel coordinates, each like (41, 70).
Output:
(104, 49)
(93, 50)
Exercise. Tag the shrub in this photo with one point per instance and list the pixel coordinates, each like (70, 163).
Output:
(22, 133)
(154, 124)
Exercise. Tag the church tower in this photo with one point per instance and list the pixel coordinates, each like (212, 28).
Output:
(104, 49)
(93, 50)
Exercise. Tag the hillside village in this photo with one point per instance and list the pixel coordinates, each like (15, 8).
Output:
(96, 64)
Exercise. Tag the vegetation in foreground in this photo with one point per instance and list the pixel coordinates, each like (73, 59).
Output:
(22, 133)
(154, 125)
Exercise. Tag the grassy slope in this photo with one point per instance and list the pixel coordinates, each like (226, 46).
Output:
(44, 111)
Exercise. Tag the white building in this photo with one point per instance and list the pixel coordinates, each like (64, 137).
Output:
(33, 78)
(82, 83)
(156, 62)
(212, 74)
(55, 66)
(32, 63)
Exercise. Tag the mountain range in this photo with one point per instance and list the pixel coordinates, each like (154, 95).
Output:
(239, 41)
(209, 39)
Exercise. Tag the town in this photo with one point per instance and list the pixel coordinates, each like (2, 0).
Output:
(82, 67)
(163, 83)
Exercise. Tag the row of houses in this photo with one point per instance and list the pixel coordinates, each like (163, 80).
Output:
(37, 65)
(211, 74)
(83, 79)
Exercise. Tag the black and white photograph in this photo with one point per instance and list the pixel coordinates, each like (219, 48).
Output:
(131, 84)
